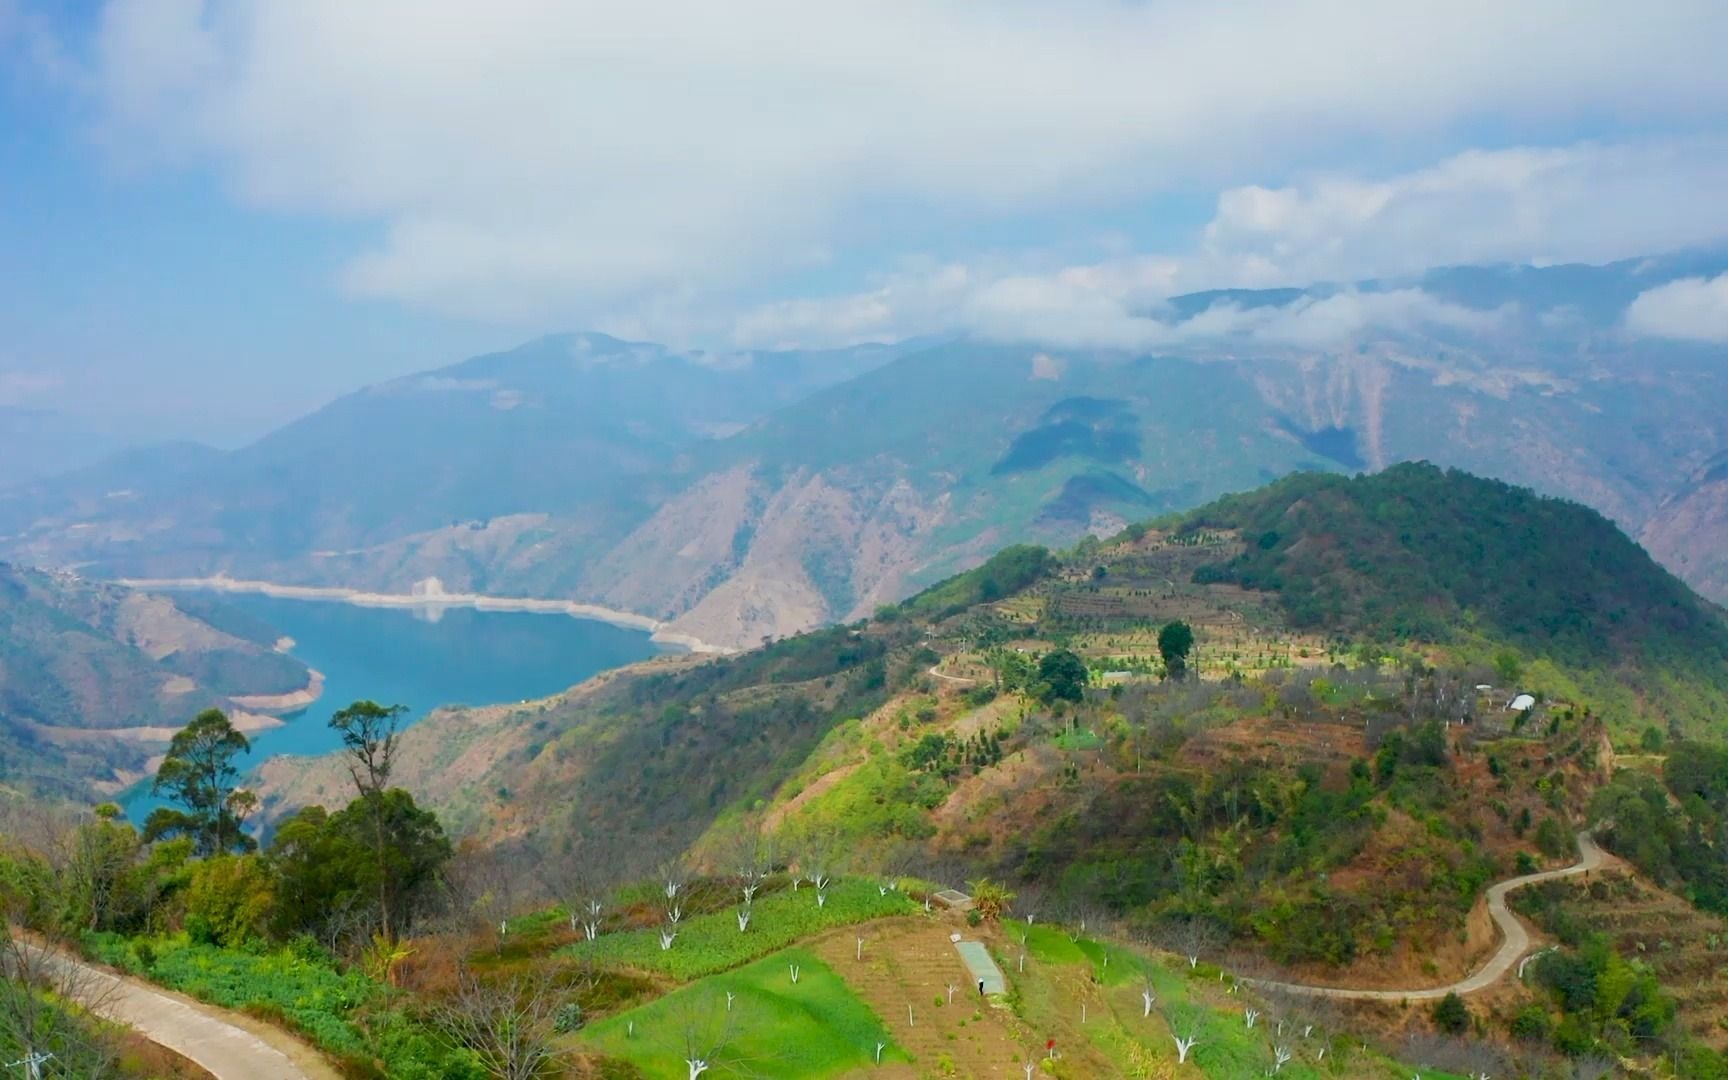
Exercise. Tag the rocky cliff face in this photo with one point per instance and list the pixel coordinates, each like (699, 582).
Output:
(1688, 533)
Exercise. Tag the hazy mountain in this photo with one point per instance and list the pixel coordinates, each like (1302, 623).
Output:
(742, 499)
(35, 443)
(561, 444)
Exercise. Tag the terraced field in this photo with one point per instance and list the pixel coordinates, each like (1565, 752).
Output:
(1685, 947)
(896, 987)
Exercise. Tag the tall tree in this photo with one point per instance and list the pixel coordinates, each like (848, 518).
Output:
(368, 732)
(199, 773)
(327, 870)
(1175, 642)
(1063, 675)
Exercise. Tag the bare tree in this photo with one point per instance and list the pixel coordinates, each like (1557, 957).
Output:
(1192, 937)
(673, 875)
(510, 1025)
(1467, 1057)
(41, 997)
(1593, 1067)
(705, 1033)
(581, 885)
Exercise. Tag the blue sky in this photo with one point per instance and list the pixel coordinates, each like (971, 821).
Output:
(216, 214)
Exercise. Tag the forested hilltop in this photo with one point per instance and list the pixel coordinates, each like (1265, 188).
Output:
(1415, 553)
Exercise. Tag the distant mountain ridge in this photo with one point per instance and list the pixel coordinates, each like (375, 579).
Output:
(738, 498)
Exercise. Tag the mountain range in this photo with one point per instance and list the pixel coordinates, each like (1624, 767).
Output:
(750, 496)
(1336, 788)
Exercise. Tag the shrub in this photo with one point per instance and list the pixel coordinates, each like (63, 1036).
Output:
(229, 900)
(1451, 1015)
(1532, 1023)
(568, 1018)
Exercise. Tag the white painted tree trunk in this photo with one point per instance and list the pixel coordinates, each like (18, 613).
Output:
(1183, 1047)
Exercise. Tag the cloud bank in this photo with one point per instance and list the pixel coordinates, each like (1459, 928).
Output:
(535, 161)
(1585, 203)
(1693, 309)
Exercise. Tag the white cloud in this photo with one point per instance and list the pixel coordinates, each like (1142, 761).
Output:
(1589, 202)
(561, 161)
(1327, 321)
(1694, 309)
(1091, 307)
(17, 387)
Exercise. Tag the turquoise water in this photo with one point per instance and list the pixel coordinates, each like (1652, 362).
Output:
(423, 658)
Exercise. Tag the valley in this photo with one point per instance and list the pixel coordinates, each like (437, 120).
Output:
(776, 492)
(913, 541)
(1180, 770)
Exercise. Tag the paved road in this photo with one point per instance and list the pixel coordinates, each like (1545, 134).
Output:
(196, 1031)
(1515, 944)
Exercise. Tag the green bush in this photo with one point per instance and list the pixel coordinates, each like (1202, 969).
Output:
(1532, 1023)
(1451, 1015)
(568, 1018)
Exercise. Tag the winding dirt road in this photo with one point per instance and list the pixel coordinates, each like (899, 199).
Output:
(1515, 943)
(958, 680)
(230, 1047)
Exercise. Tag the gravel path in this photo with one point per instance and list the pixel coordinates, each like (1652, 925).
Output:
(1515, 943)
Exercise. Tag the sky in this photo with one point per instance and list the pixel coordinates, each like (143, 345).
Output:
(217, 214)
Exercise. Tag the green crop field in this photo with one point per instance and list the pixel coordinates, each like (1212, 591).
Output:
(771, 1028)
(711, 943)
(1062, 971)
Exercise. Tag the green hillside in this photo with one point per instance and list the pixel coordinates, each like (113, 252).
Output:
(79, 658)
(1324, 797)
(1498, 587)
(1415, 553)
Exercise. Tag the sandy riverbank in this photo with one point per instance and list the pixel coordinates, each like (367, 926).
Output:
(247, 723)
(432, 595)
(293, 701)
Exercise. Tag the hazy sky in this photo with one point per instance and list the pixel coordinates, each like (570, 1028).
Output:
(215, 215)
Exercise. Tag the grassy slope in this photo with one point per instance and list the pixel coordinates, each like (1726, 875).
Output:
(711, 942)
(1082, 993)
(776, 1028)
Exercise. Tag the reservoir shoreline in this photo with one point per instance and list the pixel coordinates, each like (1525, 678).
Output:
(435, 597)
